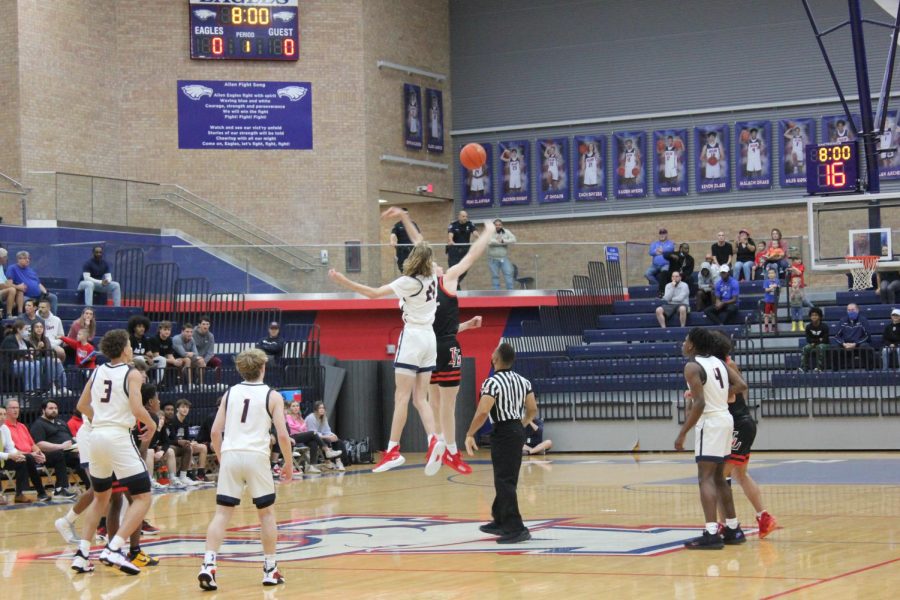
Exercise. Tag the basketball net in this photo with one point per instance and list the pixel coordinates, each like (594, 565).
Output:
(862, 268)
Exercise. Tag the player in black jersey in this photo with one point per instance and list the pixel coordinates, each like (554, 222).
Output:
(742, 442)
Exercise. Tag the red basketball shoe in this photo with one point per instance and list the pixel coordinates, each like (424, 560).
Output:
(767, 524)
(455, 462)
(390, 459)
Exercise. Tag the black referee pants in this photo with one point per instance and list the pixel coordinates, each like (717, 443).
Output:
(507, 439)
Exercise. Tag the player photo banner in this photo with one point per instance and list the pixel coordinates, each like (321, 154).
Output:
(512, 174)
(590, 167)
(435, 121)
(553, 159)
(713, 170)
(412, 116)
(477, 190)
(889, 162)
(836, 129)
(752, 147)
(630, 175)
(795, 134)
(671, 162)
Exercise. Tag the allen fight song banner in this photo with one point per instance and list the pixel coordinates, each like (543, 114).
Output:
(794, 135)
(554, 162)
(713, 171)
(670, 158)
(630, 174)
(752, 147)
(412, 116)
(477, 187)
(590, 167)
(512, 172)
(435, 121)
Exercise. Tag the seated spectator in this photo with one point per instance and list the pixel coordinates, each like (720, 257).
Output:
(53, 328)
(722, 251)
(85, 321)
(853, 335)
(186, 349)
(52, 436)
(317, 422)
(185, 448)
(85, 354)
(53, 373)
(816, 341)
(23, 463)
(300, 434)
(30, 316)
(890, 341)
(96, 277)
(26, 280)
(888, 286)
(677, 298)
(745, 253)
(158, 449)
(534, 438)
(770, 301)
(138, 326)
(18, 359)
(727, 292)
(706, 286)
(162, 349)
(10, 296)
(658, 264)
(680, 261)
(206, 345)
(273, 345)
(796, 298)
(776, 251)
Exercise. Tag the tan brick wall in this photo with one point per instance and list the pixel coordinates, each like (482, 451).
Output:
(10, 155)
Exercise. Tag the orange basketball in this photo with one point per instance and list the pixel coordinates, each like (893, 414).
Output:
(472, 156)
(582, 149)
(712, 160)
(745, 136)
(660, 145)
(621, 171)
(679, 145)
(635, 171)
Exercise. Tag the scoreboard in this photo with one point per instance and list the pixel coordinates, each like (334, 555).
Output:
(244, 29)
(832, 168)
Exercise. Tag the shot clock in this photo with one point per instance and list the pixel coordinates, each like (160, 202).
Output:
(832, 168)
(245, 30)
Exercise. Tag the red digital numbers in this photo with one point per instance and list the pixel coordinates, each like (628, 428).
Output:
(832, 175)
(217, 46)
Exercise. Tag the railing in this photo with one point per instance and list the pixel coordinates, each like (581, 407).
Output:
(18, 190)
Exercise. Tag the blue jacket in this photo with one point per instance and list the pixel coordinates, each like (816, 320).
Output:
(856, 331)
(660, 260)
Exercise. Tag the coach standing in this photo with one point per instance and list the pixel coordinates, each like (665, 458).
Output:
(508, 399)
(459, 238)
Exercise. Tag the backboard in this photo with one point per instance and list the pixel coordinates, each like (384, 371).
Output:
(839, 227)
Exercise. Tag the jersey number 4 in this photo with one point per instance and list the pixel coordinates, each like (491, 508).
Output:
(718, 375)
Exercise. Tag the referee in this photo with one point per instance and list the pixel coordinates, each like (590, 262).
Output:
(507, 397)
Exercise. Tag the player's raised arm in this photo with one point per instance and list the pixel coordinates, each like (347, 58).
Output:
(692, 375)
(276, 408)
(395, 212)
(474, 253)
(473, 323)
(369, 292)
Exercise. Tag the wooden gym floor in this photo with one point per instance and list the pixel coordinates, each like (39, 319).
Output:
(603, 526)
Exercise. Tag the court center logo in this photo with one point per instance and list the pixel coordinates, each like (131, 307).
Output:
(361, 534)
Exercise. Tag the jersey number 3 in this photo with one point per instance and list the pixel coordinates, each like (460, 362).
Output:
(107, 390)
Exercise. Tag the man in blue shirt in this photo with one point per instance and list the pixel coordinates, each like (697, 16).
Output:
(727, 291)
(659, 250)
(96, 277)
(26, 280)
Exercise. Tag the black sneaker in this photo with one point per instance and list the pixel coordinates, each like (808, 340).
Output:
(707, 541)
(733, 537)
(491, 528)
(515, 537)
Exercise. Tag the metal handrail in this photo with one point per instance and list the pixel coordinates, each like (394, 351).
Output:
(16, 184)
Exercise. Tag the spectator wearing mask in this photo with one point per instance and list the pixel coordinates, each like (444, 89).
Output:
(817, 334)
(498, 255)
(725, 308)
(745, 256)
(722, 251)
(659, 262)
(677, 297)
(272, 345)
(852, 334)
(891, 341)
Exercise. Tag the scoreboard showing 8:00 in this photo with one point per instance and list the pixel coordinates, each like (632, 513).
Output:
(244, 29)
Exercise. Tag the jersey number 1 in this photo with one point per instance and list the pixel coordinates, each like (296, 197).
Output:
(246, 408)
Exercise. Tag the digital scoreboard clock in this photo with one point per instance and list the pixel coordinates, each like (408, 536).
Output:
(832, 168)
(244, 29)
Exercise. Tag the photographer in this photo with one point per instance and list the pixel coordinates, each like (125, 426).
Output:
(498, 255)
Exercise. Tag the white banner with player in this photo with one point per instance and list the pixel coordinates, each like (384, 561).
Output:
(412, 116)
(713, 169)
(671, 162)
(630, 149)
(435, 119)
(554, 157)
(590, 162)
(753, 140)
(513, 172)
(795, 134)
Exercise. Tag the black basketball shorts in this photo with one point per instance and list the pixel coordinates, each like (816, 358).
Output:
(449, 361)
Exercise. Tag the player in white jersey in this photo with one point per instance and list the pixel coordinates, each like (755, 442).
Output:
(670, 161)
(710, 382)
(590, 166)
(551, 166)
(246, 414)
(416, 355)
(514, 168)
(886, 141)
(754, 154)
(412, 114)
(841, 132)
(712, 157)
(434, 114)
(630, 162)
(797, 152)
(110, 401)
(476, 181)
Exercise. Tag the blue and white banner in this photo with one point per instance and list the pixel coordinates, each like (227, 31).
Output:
(477, 189)
(712, 166)
(412, 116)
(590, 165)
(836, 128)
(795, 134)
(752, 147)
(889, 161)
(513, 175)
(671, 162)
(435, 115)
(554, 173)
(630, 178)
(245, 115)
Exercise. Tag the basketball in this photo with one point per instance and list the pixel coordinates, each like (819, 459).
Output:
(635, 171)
(712, 160)
(745, 136)
(660, 146)
(582, 149)
(472, 156)
(679, 145)
(621, 171)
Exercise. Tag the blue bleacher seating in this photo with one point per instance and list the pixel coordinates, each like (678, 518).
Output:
(695, 319)
(862, 297)
(655, 334)
(624, 350)
(613, 366)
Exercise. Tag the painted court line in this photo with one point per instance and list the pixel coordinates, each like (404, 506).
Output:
(833, 578)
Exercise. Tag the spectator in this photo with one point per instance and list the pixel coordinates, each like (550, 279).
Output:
(459, 239)
(401, 241)
(317, 422)
(722, 251)
(534, 438)
(24, 443)
(162, 349)
(206, 344)
(797, 270)
(853, 335)
(10, 296)
(85, 354)
(185, 448)
(273, 345)
(796, 297)
(300, 434)
(96, 277)
(677, 298)
(682, 262)
(888, 286)
(27, 281)
(727, 292)
(890, 341)
(816, 341)
(23, 463)
(52, 436)
(744, 256)
(31, 315)
(158, 449)
(776, 252)
(186, 349)
(770, 301)
(18, 358)
(53, 328)
(706, 286)
(658, 251)
(138, 325)
(53, 373)
(498, 255)
(85, 321)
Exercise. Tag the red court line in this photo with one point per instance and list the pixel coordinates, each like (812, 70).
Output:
(828, 579)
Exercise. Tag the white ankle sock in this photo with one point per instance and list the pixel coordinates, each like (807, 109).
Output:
(452, 448)
(116, 543)
(392, 445)
(731, 523)
(85, 547)
(71, 516)
(270, 561)
(209, 558)
(759, 514)
(712, 528)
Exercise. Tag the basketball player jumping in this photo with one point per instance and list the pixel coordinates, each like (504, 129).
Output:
(710, 382)
(246, 415)
(110, 401)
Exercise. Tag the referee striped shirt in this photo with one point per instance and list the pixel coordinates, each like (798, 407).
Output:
(509, 390)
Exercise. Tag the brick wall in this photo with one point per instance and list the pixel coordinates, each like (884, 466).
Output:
(10, 161)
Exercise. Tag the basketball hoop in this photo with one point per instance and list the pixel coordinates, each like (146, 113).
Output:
(862, 268)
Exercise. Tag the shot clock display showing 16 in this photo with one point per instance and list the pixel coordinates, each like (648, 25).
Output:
(260, 30)
(832, 168)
